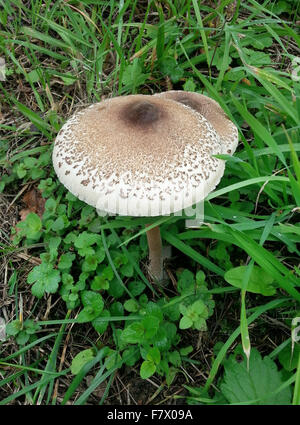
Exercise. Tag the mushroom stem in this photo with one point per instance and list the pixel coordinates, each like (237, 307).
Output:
(155, 253)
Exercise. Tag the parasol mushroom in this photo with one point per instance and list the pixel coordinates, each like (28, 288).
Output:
(139, 155)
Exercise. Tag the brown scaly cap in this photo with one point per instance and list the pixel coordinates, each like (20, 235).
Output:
(138, 155)
(212, 111)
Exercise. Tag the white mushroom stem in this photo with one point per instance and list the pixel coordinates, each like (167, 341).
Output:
(155, 267)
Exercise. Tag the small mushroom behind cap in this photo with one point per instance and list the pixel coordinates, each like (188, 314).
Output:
(212, 111)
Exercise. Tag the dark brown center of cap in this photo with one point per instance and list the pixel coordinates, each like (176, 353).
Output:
(141, 113)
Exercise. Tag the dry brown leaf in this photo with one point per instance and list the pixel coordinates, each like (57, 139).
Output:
(24, 213)
(34, 202)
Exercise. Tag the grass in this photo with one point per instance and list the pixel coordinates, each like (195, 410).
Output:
(60, 57)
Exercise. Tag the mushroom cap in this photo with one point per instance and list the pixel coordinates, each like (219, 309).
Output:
(138, 155)
(212, 111)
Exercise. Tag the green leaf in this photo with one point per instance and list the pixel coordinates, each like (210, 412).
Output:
(136, 287)
(13, 328)
(133, 75)
(112, 359)
(186, 281)
(106, 272)
(31, 327)
(70, 238)
(84, 242)
(60, 223)
(81, 359)
(116, 309)
(257, 58)
(189, 85)
(50, 206)
(116, 290)
(154, 309)
(54, 243)
(22, 337)
(133, 333)
(200, 324)
(67, 280)
(100, 325)
(46, 279)
(258, 385)
(127, 270)
(21, 171)
(185, 323)
(131, 305)
(131, 355)
(234, 75)
(99, 283)
(280, 6)
(154, 355)
(260, 42)
(85, 239)
(150, 325)
(117, 336)
(31, 226)
(80, 285)
(65, 261)
(169, 66)
(172, 312)
(175, 358)
(93, 299)
(90, 263)
(259, 282)
(93, 306)
(170, 375)
(161, 339)
(147, 369)
(183, 309)
(87, 215)
(199, 308)
(87, 314)
(186, 350)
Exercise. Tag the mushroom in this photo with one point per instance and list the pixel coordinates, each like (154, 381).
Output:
(212, 111)
(139, 155)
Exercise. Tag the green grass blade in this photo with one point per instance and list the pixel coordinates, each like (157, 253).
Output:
(201, 30)
(258, 129)
(192, 253)
(296, 394)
